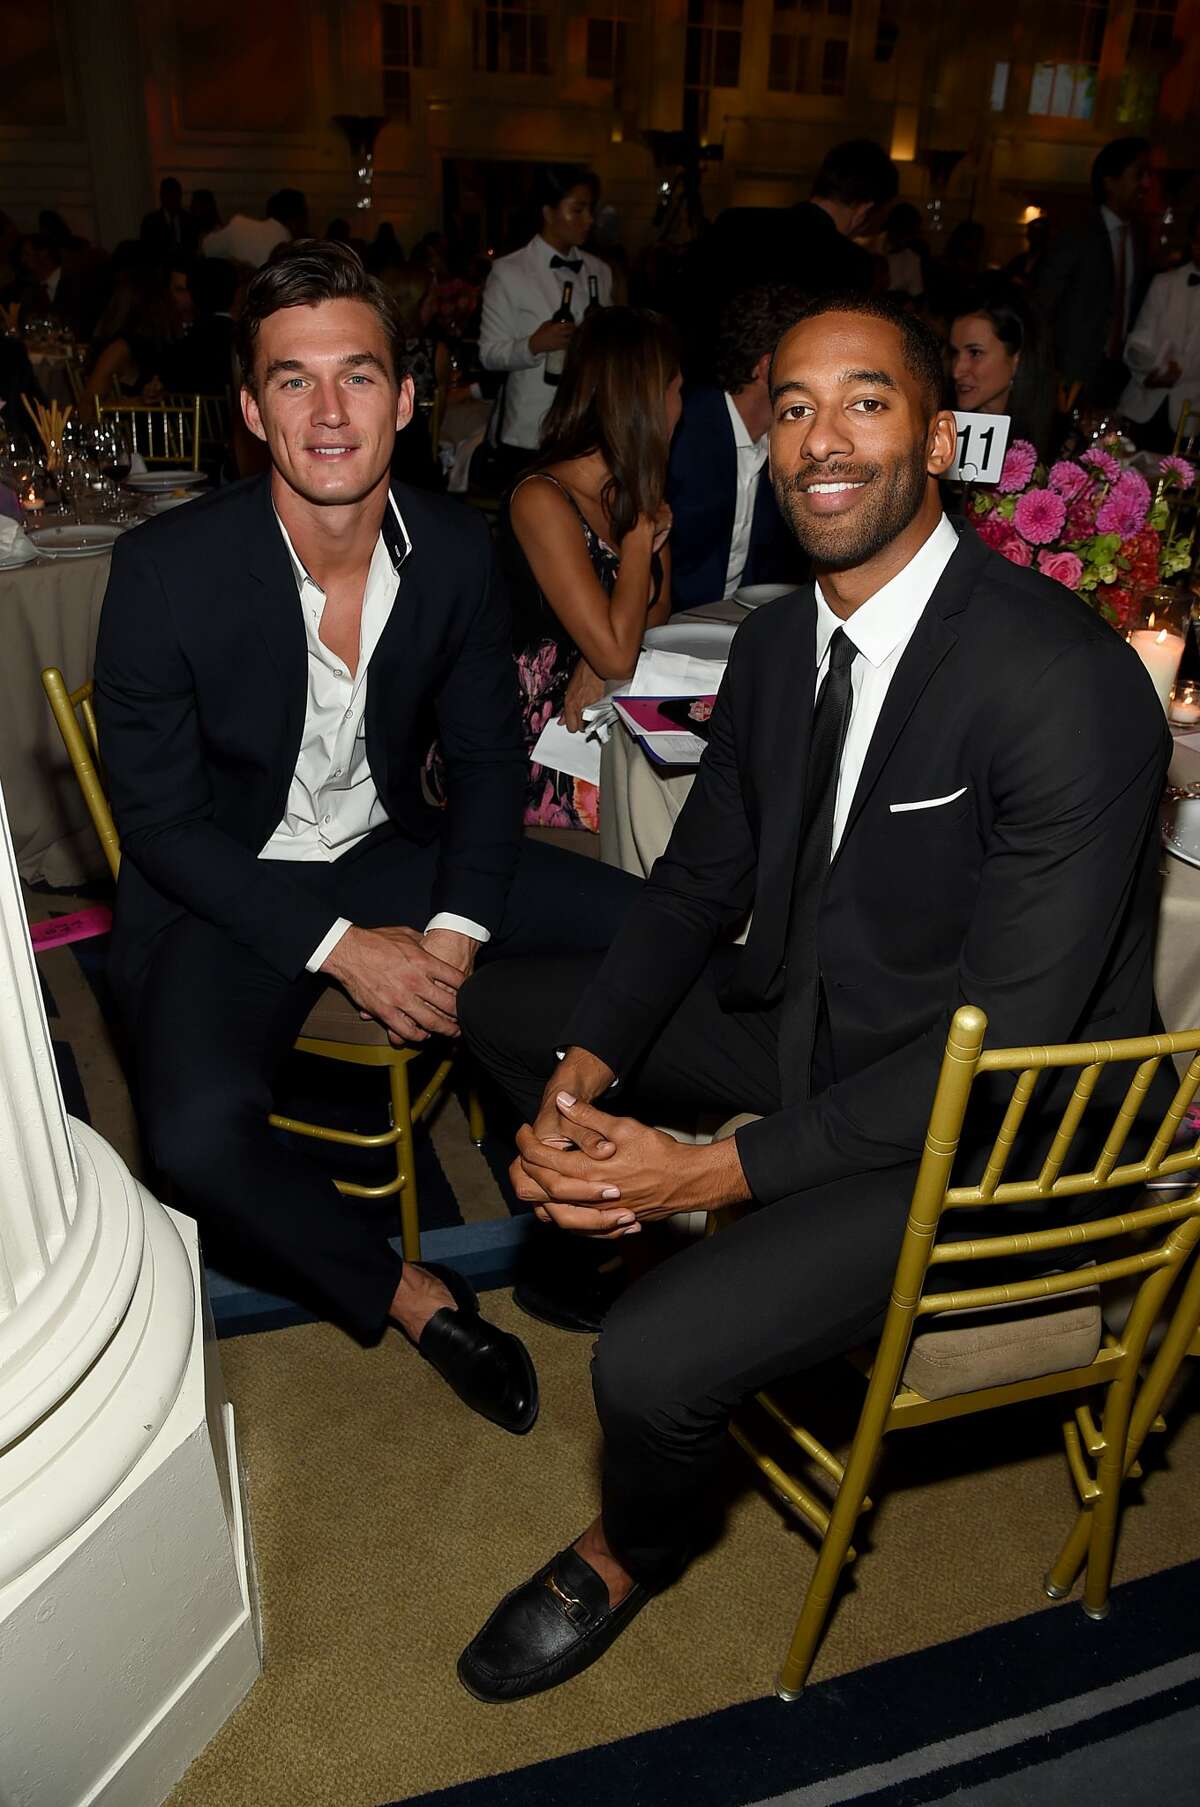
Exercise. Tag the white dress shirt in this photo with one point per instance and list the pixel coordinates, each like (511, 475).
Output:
(881, 629)
(332, 803)
(751, 456)
(1167, 328)
(522, 293)
(245, 241)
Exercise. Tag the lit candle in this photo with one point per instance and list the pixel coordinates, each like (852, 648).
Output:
(1185, 705)
(1160, 652)
(31, 501)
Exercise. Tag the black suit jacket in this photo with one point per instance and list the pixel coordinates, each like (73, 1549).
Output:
(201, 686)
(1030, 889)
(1075, 288)
(702, 492)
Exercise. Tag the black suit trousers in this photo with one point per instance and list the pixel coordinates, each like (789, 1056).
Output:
(215, 1020)
(793, 1283)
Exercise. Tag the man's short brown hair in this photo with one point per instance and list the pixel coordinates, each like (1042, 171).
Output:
(300, 275)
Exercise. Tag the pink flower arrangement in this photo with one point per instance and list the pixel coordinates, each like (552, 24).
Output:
(1090, 524)
(1039, 516)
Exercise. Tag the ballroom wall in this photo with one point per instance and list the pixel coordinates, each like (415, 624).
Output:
(102, 97)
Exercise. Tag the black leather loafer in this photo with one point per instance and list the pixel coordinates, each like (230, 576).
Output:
(557, 1287)
(547, 1630)
(488, 1369)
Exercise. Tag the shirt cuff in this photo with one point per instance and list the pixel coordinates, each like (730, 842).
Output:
(326, 945)
(458, 925)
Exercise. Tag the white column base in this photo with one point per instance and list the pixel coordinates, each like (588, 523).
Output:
(126, 1646)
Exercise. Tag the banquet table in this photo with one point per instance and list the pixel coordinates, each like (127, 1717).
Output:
(640, 801)
(49, 615)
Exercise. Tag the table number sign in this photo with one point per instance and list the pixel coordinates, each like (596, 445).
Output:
(979, 455)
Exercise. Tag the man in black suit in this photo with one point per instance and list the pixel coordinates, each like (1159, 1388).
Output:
(935, 778)
(273, 663)
(726, 526)
(169, 228)
(1091, 282)
(809, 246)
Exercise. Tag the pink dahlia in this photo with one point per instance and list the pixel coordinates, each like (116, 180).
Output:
(1069, 479)
(1039, 515)
(1063, 567)
(1015, 550)
(1125, 509)
(1178, 467)
(1097, 459)
(1019, 463)
(992, 529)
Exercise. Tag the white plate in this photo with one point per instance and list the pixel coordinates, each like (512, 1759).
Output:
(751, 595)
(695, 639)
(1181, 829)
(13, 564)
(160, 504)
(153, 483)
(75, 542)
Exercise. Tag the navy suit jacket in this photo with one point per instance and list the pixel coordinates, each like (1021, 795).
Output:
(702, 492)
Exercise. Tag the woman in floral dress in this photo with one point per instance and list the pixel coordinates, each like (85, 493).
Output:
(583, 537)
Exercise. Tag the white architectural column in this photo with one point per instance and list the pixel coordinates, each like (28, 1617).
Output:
(128, 1625)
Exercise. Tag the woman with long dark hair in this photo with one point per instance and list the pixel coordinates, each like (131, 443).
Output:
(583, 536)
(1000, 364)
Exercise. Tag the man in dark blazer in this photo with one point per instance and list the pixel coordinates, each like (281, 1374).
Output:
(934, 777)
(726, 529)
(273, 663)
(170, 228)
(1090, 284)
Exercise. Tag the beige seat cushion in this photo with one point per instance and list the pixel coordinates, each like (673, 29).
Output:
(995, 1345)
(333, 1018)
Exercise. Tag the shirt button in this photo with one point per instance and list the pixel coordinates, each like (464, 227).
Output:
(337, 772)
(328, 819)
(349, 716)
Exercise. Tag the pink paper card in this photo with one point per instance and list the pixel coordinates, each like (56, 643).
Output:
(81, 925)
(647, 717)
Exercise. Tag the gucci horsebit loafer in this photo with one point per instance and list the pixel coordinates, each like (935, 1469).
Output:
(489, 1369)
(547, 1630)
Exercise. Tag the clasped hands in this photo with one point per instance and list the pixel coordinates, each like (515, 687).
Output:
(605, 1176)
(407, 981)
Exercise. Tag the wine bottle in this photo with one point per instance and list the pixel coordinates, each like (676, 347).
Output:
(552, 369)
(593, 306)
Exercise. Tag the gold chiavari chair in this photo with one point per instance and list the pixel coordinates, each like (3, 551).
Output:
(944, 1354)
(333, 1029)
(166, 432)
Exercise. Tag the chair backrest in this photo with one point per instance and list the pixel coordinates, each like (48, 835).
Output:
(76, 718)
(1151, 1243)
(166, 432)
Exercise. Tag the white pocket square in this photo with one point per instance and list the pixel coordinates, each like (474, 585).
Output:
(898, 809)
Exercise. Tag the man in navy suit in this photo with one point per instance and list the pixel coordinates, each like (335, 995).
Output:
(728, 530)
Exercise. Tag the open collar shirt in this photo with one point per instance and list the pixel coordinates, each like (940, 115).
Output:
(332, 802)
(751, 456)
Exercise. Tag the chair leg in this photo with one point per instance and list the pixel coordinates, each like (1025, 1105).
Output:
(410, 1218)
(1110, 1475)
(830, 1562)
(475, 1120)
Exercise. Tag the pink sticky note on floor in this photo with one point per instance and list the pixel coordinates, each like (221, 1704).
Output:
(81, 925)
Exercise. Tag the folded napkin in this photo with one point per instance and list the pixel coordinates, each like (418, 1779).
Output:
(561, 751)
(14, 547)
(662, 673)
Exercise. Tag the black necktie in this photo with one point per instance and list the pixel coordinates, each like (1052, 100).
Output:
(574, 264)
(801, 993)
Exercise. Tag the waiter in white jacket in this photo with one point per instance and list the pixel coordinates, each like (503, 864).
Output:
(1163, 353)
(523, 291)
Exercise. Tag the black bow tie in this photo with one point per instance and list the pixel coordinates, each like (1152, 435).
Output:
(574, 264)
(1193, 280)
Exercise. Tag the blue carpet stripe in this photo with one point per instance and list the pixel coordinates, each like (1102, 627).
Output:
(883, 1715)
(924, 1775)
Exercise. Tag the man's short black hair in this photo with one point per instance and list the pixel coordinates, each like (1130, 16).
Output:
(303, 274)
(920, 348)
(1112, 160)
(859, 170)
(750, 325)
(556, 180)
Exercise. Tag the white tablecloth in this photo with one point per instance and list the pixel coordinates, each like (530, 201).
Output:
(639, 803)
(49, 614)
